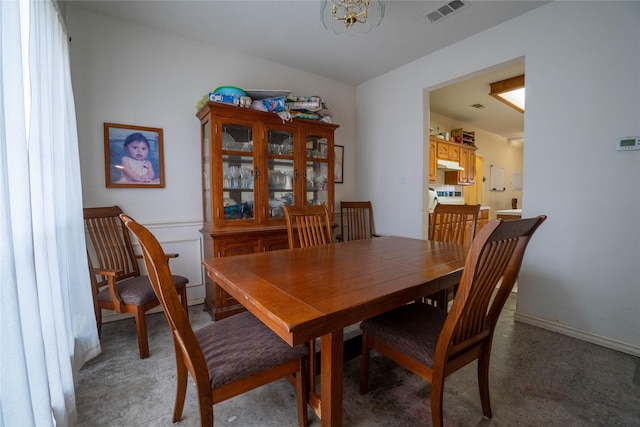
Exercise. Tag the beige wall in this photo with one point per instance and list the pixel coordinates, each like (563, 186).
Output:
(130, 74)
(571, 127)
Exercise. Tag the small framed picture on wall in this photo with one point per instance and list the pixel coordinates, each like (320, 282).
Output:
(339, 163)
(133, 156)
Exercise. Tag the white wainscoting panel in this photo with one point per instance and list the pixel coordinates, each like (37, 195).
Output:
(185, 239)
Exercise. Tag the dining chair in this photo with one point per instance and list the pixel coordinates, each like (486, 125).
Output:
(452, 224)
(308, 225)
(434, 344)
(116, 280)
(356, 221)
(226, 358)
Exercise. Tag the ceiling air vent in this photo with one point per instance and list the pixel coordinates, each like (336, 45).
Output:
(446, 10)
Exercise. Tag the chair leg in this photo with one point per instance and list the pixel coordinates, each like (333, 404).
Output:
(181, 385)
(313, 368)
(98, 312)
(301, 392)
(483, 380)
(141, 330)
(443, 299)
(365, 355)
(205, 405)
(437, 391)
(183, 299)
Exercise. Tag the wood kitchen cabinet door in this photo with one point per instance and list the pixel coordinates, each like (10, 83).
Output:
(464, 163)
(454, 152)
(433, 162)
(471, 170)
(467, 160)
(443, 151)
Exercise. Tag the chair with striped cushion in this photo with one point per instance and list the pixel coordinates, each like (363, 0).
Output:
(116, 280)
(433, 343)
(452, 224)
(227, 357)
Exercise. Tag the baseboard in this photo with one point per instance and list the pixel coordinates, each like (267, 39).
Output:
(579, 334)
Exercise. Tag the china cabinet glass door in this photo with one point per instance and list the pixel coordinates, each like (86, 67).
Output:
(206, 172)
(317, 172)
(281, 171)
(237, 174)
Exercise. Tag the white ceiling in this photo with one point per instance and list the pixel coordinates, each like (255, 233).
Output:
(455, 100)
(291, 33)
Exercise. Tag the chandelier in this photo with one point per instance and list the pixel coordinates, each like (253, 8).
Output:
(352, 16)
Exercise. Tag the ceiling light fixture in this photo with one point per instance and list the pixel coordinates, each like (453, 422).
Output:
(352, 16)
(510, 91)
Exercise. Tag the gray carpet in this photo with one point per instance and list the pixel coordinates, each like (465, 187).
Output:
(538, 378)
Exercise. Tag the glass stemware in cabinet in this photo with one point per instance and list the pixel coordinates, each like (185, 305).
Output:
(246, 177)
(235, 176)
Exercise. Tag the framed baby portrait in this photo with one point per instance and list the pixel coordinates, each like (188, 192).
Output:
(133, 156)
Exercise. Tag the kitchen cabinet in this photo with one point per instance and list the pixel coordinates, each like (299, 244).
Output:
(433, 161)
(465, 155)
(254, 163)
(471, 169)
(464, 163)
(468, 162)
(448, 151)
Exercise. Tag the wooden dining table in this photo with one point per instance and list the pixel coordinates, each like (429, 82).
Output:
(305, 293)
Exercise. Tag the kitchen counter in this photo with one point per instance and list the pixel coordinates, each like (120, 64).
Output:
(482, 208)
(509, 213)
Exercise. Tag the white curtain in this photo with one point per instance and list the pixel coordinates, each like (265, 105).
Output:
(47, 325)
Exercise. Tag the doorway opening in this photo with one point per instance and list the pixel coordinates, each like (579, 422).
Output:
(499, 134)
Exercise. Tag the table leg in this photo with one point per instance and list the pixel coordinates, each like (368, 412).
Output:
(331, 371)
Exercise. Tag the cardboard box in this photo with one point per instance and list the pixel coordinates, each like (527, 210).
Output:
(225, 99)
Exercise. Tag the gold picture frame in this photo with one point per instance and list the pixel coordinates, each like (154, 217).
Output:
(133, 156)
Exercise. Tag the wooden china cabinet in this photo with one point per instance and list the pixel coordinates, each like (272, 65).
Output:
(253, 163)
